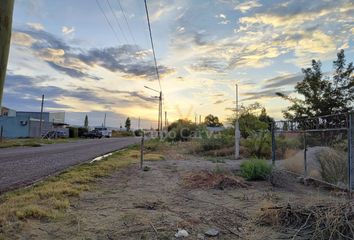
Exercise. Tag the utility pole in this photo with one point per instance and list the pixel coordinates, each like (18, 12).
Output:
(237, 129)
(104, 120)
(200, 119)
(165, 119)
(41, 117)
(139, 123)
(159, 118)
(6, 12)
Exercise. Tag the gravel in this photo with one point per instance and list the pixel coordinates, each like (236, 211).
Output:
(25, 165)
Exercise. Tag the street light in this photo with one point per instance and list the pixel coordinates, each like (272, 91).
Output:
(159, 121)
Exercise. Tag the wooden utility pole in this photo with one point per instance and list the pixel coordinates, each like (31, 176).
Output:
(6, 11)
(41, 117)
(237, 129)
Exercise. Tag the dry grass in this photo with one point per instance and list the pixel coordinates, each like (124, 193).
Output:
(206, 179)
(324, 220)
(50, 199)
(31, 142)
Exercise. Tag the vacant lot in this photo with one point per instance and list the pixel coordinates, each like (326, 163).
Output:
(182, 192)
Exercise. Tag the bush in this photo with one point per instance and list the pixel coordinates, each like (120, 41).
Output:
(255, 169)
(285, 144)
(82, 131)
(218, 141)
(181, 130)
(116, 133)
(334, 166)
(138, 133)
(73, 132)
(258, 144)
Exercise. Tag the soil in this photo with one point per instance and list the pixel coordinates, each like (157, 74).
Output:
(154, 204)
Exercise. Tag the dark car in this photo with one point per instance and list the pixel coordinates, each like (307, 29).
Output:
(93, 134)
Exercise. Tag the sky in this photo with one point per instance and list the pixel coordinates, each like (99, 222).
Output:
(94, 57)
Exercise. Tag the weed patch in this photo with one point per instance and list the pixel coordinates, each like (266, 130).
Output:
(255, 169)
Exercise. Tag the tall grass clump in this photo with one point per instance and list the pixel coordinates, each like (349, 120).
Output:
(258, 144)
(255, 169)
(333, 166)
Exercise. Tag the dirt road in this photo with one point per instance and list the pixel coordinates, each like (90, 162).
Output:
(23, 166)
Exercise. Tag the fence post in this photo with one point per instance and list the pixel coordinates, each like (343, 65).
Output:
(142, 151)
(305, 155)
(350, 151)
(273, 143)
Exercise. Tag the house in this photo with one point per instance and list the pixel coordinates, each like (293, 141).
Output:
(21, 124)
(215, 129)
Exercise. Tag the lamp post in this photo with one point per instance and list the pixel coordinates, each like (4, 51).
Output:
(159, 119)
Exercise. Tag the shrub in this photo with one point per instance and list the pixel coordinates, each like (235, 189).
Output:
(82, 131)
(255, 169)
(258, 144)
(117, 133)
(138, 133)
(73, 132)
(181, 130)
(218, 141)
(334, 166)
(285, 144)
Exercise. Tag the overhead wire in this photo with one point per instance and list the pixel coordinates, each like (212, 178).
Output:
(126, 21)
(109, 23)
(117, 21)
(152, 44)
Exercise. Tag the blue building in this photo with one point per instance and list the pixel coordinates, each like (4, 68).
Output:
(27, 124)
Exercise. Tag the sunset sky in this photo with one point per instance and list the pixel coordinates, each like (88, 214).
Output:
(67, 51)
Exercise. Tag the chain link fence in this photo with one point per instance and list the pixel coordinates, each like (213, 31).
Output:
(320, 148)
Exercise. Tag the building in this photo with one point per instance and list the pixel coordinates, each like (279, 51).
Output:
(20, 124)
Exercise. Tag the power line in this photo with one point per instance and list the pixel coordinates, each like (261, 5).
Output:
(126, 21)
(152, 44)
(109, 23)
(117, 21)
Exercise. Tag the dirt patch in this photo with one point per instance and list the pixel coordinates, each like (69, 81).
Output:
(206, 179)
(149, 205)
(178, 193)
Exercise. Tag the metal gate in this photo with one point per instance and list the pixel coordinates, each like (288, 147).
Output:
(320, 148)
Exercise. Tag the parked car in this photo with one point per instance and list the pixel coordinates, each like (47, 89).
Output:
(93, 134)
(104, 131)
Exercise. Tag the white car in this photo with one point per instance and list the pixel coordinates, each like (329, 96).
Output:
(104, 131)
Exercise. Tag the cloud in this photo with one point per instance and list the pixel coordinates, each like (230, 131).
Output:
(26, 88)
(223, 19)
(282, 81)
(300, 27)
(67, 30)
(129, 60)
(22, 39)
(36, 26)
(248, 5)
(159, 9)
(262, 94)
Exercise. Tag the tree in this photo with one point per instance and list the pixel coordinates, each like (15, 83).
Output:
(322, 95)
(212, 121)
(249, 120)
(127, 124)
(264, 117)
(86, 122)
(181, 130)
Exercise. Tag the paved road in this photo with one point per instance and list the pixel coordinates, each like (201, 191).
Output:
(23, 166)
